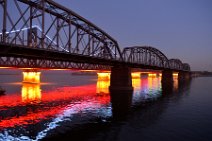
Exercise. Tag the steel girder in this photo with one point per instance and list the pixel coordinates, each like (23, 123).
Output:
(24, 63)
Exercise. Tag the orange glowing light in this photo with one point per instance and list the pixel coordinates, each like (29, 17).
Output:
(136, 83)
(60, 69)
(29, 68)
(31, 77)
(102, 87)
(88, 70)
(175, 80)
(103, 83)
(175, 74)
(136, 75)
(153, 82)
(103, 76)
(31, 92)
(6, 67)
(152, 74)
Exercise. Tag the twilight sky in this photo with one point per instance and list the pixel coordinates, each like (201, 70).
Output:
(179, 28)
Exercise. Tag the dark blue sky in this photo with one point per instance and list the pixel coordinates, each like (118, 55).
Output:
(179, 28)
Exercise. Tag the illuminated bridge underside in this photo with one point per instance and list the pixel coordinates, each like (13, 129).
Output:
(29, 63)
(44, 34)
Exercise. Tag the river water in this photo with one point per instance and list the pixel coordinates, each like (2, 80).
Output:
(80, 107)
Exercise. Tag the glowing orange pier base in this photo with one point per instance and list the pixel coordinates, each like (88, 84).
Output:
(31, 77)
(103, 82)
(136, 75)
(175, 74)
(152, 74)
(105, 76)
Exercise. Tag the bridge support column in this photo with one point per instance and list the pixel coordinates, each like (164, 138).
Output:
(121, 79)
(167, 77)
(167, 81)
(182, 75)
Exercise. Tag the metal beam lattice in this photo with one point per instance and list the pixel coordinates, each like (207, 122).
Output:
(47, 25)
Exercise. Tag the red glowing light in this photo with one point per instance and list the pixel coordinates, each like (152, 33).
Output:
(78, 93)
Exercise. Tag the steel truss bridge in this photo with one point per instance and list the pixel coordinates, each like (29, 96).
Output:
(43, 34)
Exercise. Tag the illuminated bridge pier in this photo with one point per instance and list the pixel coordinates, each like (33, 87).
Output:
(31, 76)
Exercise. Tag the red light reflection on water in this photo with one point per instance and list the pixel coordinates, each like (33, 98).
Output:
(39, 105)
(29, 118)
(31, 97)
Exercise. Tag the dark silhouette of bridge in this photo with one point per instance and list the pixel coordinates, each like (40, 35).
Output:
(43, 34)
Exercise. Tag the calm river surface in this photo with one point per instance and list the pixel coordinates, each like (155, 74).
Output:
(79, 107)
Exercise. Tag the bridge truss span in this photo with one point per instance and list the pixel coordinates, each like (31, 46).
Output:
(186, 67)
(47, 25)
(176, 64)
(45, 34)
(145, 55)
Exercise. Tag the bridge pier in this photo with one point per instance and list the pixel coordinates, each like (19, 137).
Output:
(120, 79)
(167, 77)
(182, 75)
(167, 81)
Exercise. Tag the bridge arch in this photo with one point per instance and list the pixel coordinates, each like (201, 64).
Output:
(175, 64)
(145, 55)
(186, 67)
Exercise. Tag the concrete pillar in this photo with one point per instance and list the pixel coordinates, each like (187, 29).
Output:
(182, 76)
(120, 79)
(188, 75)
(167, 81)
(167, 77)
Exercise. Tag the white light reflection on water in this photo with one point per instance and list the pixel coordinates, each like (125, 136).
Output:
(66, 115)
(146, 88)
